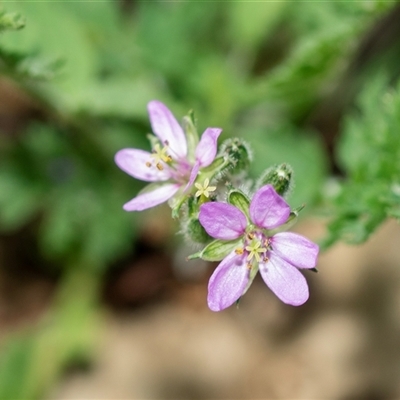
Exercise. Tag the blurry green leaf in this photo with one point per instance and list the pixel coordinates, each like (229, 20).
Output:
(323, 42)
(86, 223)
(168, 42)
(15, 367)
(298, 82)
(56, 33)
(301, 150)
(10, 21)
(250, 23)
(30, 362)
(124, 98)
(19, 199)
(369, 152)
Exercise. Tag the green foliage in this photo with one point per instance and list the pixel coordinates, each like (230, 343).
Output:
(369, 153)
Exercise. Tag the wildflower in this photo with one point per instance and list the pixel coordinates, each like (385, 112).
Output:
(173, 164)
(256, 247)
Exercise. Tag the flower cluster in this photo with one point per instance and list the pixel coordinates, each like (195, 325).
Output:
(246, 233)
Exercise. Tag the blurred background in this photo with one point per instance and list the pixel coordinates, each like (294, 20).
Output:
(99, 303)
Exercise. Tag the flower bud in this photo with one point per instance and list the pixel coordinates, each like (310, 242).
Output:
(279, 176)
(238, 154)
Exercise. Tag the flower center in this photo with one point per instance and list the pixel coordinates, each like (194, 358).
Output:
(163, 157)
(254, 249)
(159, 156)
(256, 246)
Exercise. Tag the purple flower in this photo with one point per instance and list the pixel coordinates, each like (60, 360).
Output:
(172, 165)
(277, 256)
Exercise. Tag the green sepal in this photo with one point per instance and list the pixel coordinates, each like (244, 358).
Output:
(238, 199)
(214, 167)
(216, 250)
(176, 202)
(192, 137)
(293, 216)
(195, 231)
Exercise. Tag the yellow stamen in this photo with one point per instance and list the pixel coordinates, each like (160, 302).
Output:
(160, 154)
(204, 190)
(254, 250)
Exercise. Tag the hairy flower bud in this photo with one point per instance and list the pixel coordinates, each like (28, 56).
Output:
(279, 176)
(238, 154)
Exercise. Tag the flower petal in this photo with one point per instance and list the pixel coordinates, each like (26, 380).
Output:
(133, 162)
(295, 249)
(206, 150)
(166, 127)
(228, 282)
(151, 199)
(193, 175)
(222, 220)
(286, 281)
(267, 209)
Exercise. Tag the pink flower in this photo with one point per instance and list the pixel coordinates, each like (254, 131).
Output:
(171, 166)
(277, 256)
